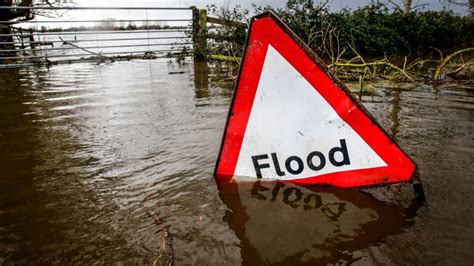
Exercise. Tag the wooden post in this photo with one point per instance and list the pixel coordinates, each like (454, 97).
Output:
(200, 33)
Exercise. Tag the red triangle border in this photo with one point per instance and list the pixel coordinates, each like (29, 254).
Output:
(267, 29)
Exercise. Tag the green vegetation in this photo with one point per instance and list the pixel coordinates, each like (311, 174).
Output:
(229, 38)
(372, 41)
(374, 30)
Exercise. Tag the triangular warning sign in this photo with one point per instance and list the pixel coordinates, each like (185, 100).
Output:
(292, 120)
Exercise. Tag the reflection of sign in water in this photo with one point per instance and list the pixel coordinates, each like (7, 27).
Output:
(283, 223)
(293, 120)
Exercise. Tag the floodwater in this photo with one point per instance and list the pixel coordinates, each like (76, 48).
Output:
(113, 163)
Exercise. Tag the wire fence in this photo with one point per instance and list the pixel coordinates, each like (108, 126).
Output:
(56, 34)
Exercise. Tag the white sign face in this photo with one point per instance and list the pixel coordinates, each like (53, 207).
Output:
(294, 133)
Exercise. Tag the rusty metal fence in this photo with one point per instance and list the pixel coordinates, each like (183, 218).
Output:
(67, 34)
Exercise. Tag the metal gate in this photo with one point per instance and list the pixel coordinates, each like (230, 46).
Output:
(67, 34)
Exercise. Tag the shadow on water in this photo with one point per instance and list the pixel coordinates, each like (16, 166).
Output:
(282, 223)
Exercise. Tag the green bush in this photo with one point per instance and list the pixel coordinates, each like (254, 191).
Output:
(374, 30)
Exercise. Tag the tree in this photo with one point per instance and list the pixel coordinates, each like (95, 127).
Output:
(12, 16)
(466, 3)
(406, 7)
(107, 24)
(8, 15)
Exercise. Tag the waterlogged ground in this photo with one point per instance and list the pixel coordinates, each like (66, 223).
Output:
(113, 163)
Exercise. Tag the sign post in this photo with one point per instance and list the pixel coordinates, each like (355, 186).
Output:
(291, 119)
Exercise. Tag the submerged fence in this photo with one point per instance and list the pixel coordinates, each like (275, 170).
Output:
(68, 34)
(62, 34)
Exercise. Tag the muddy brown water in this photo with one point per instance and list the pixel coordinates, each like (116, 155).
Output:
(99, 162)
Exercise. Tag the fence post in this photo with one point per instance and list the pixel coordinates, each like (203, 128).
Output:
(200, 33)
